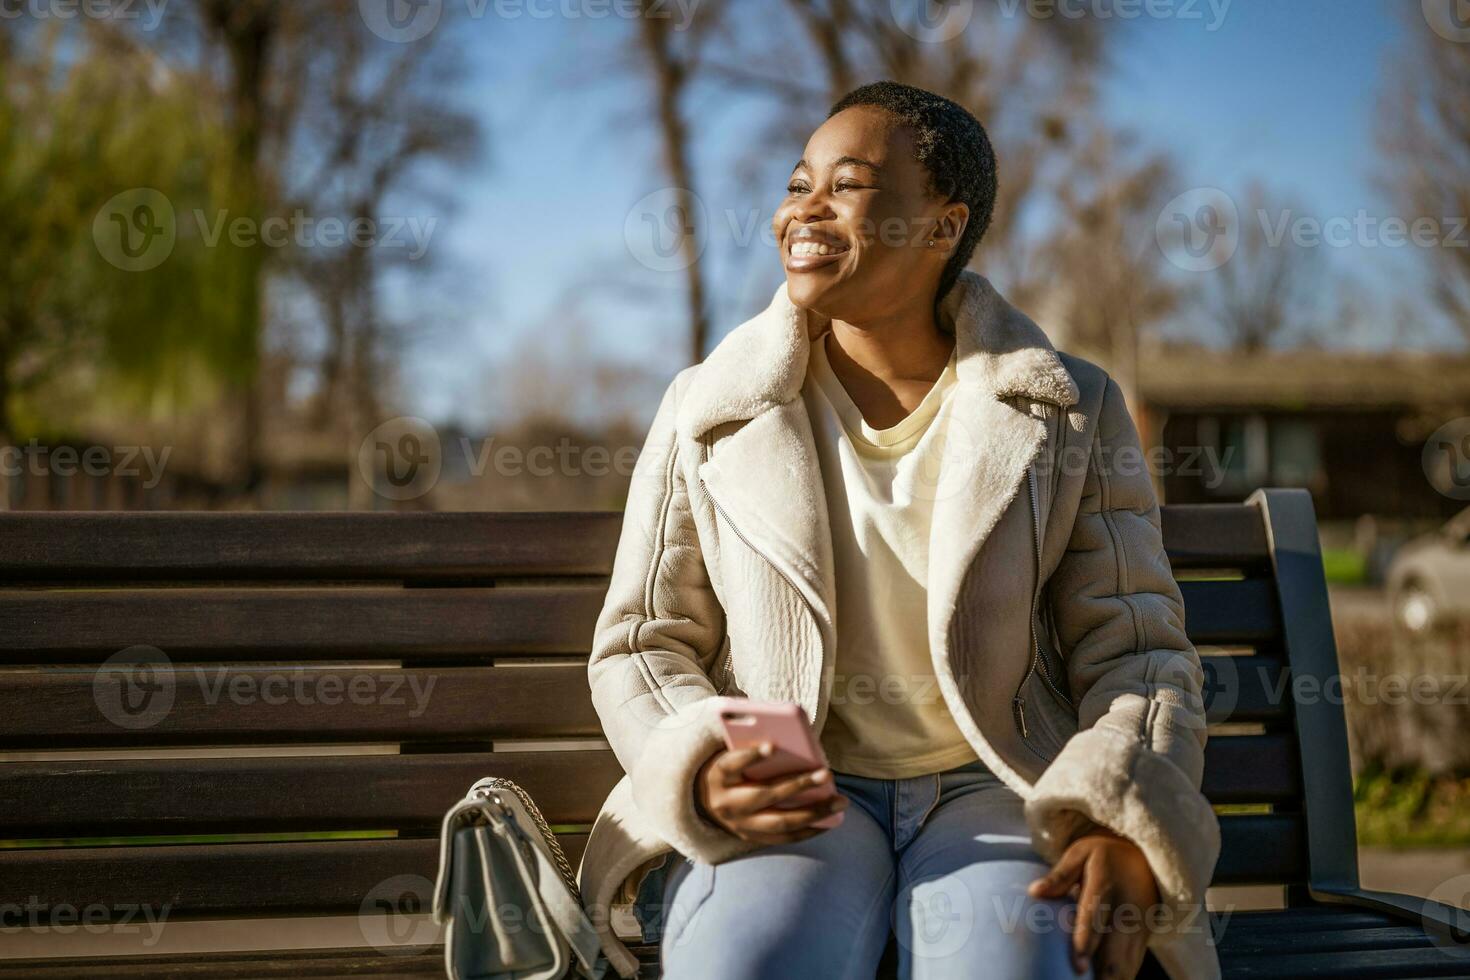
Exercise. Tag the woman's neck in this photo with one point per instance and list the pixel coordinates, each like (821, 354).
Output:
(888, 365)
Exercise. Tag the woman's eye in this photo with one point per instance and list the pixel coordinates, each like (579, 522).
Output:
(795, 188)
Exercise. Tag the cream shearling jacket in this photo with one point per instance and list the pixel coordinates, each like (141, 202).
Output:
(1056, 625)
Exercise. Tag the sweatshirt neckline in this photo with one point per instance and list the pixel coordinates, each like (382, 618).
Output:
(852, 417)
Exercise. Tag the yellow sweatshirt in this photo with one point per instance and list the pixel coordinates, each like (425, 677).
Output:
(887, 718)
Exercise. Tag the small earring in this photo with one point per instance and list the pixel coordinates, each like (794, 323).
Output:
(931, 243)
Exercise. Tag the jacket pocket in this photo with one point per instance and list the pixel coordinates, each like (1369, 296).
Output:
(1054, 710)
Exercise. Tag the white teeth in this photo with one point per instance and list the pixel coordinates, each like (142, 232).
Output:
(814, 248)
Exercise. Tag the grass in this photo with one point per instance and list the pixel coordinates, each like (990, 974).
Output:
(1345, 566)
(1410, 808)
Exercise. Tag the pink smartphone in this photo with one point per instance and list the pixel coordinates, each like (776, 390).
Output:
(784, 725)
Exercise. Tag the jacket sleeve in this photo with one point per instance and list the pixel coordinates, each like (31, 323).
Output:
(660, 629)
(1136, 763)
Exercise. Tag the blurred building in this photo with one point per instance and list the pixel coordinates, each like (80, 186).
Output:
(1349, 426)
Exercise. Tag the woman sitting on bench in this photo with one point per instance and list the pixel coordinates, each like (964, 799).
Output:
(889, 499)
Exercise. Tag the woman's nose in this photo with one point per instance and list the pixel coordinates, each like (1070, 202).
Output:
(813, 207)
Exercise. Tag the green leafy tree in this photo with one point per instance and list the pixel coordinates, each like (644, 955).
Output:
(111, 294)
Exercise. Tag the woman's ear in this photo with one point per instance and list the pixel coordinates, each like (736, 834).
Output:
(949, 227)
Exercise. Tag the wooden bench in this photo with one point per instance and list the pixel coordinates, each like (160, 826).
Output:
(322, 632)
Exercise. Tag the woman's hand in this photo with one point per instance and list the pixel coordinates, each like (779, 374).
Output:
(1117, 890)
(747, 809)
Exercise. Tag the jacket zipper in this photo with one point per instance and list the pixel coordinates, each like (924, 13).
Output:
(749, 544)
(722, 665)
(1018, 702)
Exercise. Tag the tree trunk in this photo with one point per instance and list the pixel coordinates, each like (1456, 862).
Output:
(670, 77)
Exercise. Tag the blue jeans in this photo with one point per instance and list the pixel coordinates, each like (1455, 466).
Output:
(941, 860)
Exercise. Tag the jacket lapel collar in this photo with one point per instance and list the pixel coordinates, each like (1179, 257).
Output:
(766, 475)
(762, 363)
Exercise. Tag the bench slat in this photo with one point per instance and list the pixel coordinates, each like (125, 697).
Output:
(1251, 769)
(1255, 943)
(320, 793)
(1246, 689)
(1333, 940)
(333, 876)
(316, 964)
(1214, 536)
(299, 624)
(1397, 964)
(203, 880)
(213, 704)
(217, 704)
(121, 546)
(1314, 918)
(398, 792)
(117, 546)
(312, 623)
(1262, 849)
(1230, 612)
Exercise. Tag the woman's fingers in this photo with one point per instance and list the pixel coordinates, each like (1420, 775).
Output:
(752, 810)
(1120, 955)
(730, 764)
(749, 798)
(1063, 875)
(784, 821)
(1091, 921)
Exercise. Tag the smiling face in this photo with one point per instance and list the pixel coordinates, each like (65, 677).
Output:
(858, 214)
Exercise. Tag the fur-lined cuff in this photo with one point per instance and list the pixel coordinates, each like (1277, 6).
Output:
(663, 784)
(1110, 778)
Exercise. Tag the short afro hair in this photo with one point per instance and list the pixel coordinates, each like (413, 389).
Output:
(952, 145)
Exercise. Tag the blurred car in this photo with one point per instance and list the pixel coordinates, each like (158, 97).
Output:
(1429, 578)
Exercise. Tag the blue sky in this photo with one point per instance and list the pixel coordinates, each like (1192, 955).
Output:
(1284, 91)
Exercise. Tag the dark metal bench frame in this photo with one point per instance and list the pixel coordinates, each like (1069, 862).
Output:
(468, 601)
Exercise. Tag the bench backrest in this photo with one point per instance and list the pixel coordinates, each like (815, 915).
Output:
(364, 669)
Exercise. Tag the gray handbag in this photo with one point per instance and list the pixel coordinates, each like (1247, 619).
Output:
(507, 895)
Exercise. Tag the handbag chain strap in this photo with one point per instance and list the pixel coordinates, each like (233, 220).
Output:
(563, 866)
